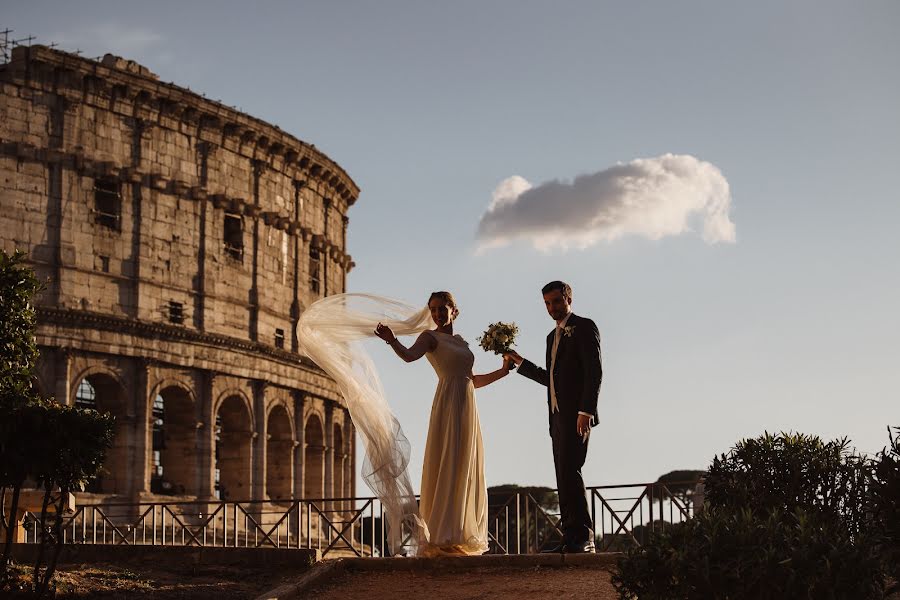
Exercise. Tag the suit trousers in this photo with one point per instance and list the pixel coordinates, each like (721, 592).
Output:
(569, 452)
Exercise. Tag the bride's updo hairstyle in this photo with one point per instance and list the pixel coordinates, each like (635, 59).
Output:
(447, 297)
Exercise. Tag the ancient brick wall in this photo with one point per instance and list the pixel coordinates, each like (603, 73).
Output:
(180, 240)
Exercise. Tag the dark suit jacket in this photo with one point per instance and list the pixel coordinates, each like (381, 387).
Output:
(578, 371)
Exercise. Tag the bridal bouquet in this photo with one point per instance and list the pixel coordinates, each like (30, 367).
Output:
(499, 337)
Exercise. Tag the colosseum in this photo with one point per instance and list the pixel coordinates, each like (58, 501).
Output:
(180, 240)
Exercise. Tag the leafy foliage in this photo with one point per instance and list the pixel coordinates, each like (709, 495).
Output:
(18, 349)
(788, 471)
(884, 502)
(746, 555)
(785, 517)
(58, 447)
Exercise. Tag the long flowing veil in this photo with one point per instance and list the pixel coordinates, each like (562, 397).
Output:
(330, 332)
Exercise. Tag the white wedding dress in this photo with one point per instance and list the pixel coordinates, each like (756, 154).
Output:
(454, 496)
(453, 500)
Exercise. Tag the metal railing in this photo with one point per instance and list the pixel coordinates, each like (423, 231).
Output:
(518, 523)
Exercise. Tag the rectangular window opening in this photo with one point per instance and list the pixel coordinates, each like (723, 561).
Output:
(279, 338)
(176, 312)
(234, 236)
(107, 203)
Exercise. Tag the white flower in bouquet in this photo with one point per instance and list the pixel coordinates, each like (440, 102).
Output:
(499, 337)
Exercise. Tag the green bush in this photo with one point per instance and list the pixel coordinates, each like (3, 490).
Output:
(745, 555)
(18, 349)
(884, 503)
(786, 517)
(788, 471)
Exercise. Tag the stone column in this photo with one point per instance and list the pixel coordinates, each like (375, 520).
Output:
(62, 252)
(139, 415)
(329, 449)
(62, 377)
(204, 151)
(344, 221)
(206, 435)
(295, 304)
(140, 128)
(323, 255)
(258, 460)
(299, 444)
(352, 460)
(259, 167)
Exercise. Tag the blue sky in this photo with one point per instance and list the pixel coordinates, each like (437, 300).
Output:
(430, 105)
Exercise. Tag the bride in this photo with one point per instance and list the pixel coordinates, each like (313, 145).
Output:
(453, 502)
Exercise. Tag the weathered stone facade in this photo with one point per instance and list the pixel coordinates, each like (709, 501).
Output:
(180, 239)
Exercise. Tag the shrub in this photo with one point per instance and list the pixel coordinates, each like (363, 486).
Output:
(743, 554)
(786, 518)
(884, 503)
(787, 471)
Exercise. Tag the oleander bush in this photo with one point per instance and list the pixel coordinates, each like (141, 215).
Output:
(787, 516)
(884, 503)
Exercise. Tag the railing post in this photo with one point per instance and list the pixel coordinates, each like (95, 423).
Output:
(518, 527)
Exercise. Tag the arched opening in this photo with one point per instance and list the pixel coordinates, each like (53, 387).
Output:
(279, 448)
(102, 393)
(314, 459)
(173, 460)
(233, 450)
(338, 475)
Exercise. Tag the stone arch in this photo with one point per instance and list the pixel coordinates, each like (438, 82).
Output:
(174, 464)
(233, 448)
(279, 451)
(94, 371)
(101, 390)
(314, 457)
(244, 399)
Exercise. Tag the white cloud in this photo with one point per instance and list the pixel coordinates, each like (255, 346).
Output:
(650, 197)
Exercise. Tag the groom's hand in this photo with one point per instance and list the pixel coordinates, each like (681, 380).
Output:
(584, 425)
(513, 356)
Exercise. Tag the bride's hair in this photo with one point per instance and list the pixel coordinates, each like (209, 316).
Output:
(446, 297)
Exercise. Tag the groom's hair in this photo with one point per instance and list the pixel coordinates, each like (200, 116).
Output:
(562, 286)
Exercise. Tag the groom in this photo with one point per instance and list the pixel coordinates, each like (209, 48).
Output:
(572, 377)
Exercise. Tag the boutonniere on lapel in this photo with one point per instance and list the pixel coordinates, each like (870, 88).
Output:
(568, 330)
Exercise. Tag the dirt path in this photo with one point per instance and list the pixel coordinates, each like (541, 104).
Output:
(540, 583)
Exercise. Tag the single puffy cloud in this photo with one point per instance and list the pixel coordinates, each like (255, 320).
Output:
(651, 197)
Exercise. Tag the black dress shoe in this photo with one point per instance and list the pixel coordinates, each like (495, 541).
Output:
(558, 549)
(582, 548)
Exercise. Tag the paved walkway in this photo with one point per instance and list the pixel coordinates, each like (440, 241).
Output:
(457, 578)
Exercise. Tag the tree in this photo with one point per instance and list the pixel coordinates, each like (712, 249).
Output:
(58, 447)
(18, 353)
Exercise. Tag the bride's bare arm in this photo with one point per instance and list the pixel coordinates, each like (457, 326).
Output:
(424, 343)
(489, 378)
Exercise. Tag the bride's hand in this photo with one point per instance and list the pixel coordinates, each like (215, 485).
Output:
(513, 356)
(384, 332)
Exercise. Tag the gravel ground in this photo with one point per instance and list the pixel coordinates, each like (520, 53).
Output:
(539, 584)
